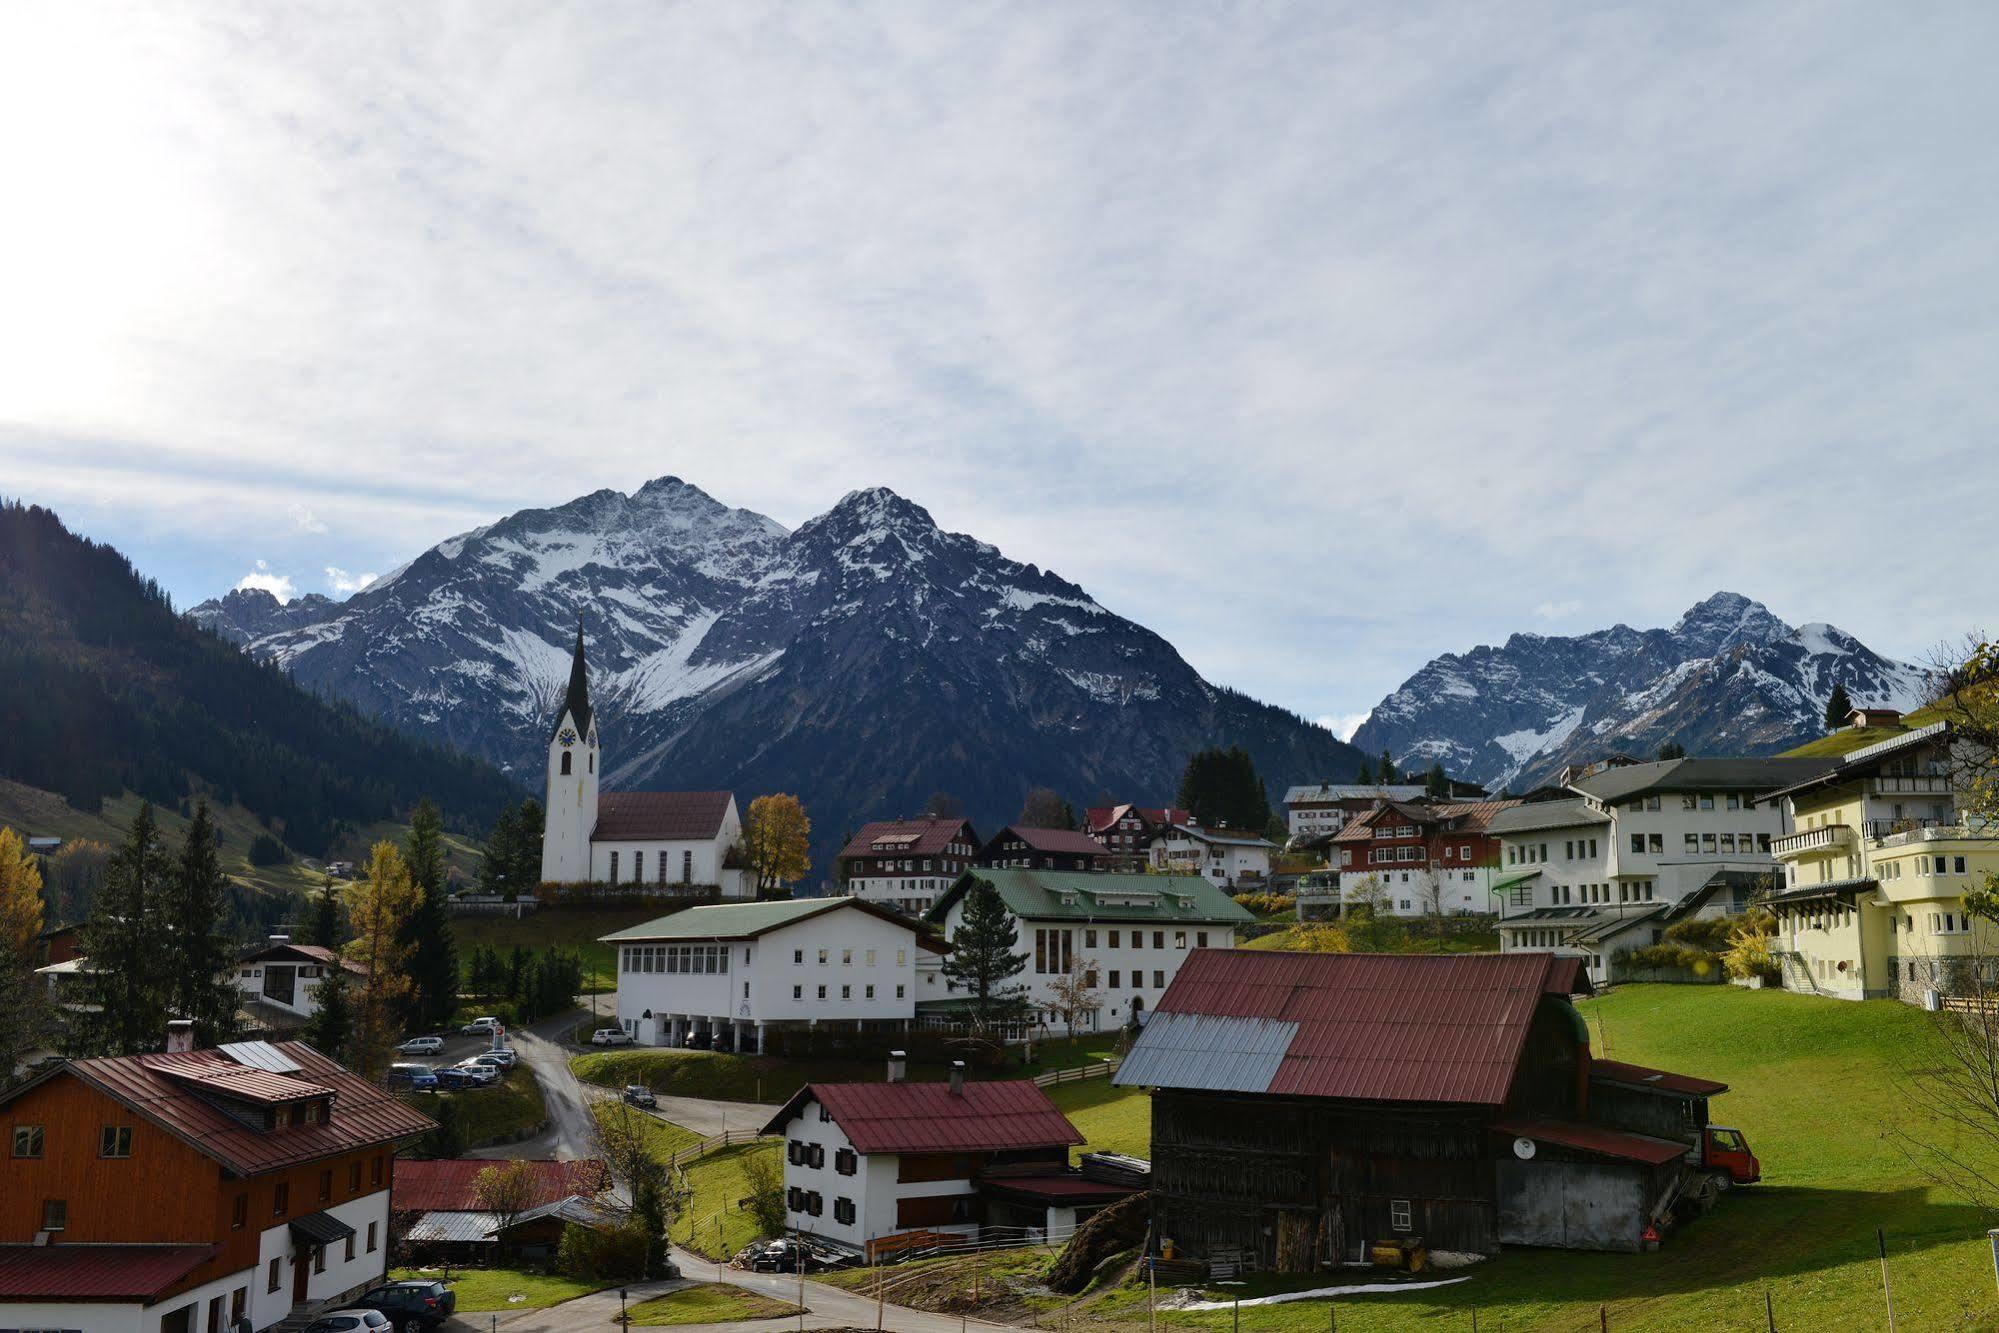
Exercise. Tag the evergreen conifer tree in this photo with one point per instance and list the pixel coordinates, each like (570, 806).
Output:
(323, 926)
(1387, 768)
(1364, 775)
(982, 957)
(433, 951)
(330, 1030)
(197, 961)
(126, 978)
(1837, 707)
(1436, 782)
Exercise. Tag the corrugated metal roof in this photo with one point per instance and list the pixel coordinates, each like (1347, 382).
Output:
(362, 1117)
(1371, 1027)
(229, 1079)
(660, 816)
(1207, 1052)
(1653, 1080)
(1044, 895)
(1535, 815)
(453, 1225)
(1352, 791)
(95, 1272)
(450, 1184)
(726, 921)
(1595, 1139)
(929, 1117)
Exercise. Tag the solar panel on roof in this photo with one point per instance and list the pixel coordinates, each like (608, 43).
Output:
(260, 1055)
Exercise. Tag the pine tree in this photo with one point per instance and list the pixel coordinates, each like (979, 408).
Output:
(323, 926)
(496, 865)
(1364, 775)
(433, 951)
(330, 1030)
(1387, 768)
(982, 957)
(1837, 707)
(1436, 782)
(126, 978)
(197, 962)
(1221, 787)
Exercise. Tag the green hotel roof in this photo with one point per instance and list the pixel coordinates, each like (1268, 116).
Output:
(726, 921)
(1079, 895)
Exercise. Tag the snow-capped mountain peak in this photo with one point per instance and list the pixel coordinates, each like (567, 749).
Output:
(1728, 678)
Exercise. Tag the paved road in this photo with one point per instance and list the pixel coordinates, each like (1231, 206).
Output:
(571, 1132)
(708, 1117)
(826, 1307)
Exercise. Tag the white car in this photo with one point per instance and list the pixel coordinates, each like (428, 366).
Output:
(504, 1058)
(350, 1321)
(480, 1027)
(610, 1037)
(484, 1073)
(421, 1046)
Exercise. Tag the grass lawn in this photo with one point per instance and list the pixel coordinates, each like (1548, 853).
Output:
(752, 1078)
(1814, 1088)
(482, 1289)
(1296, 936)
(663, 1136)
(570, 928)
(709, 1303)
(1113, 1119)
(509, 1106)
(713, 1226)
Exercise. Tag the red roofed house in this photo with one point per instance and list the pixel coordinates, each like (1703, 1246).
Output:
(1305, 1106)
(183, 1191)
(281, 981)
(448, 1221)
(1406, 858)
(1126, 831)
(1019, 847)
(867, 1162)
(669, 841)
(907, 863)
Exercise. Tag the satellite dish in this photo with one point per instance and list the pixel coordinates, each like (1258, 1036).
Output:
(1523, 1148)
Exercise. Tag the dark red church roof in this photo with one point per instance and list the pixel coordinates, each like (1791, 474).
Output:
(660, 816)
(929, 1117)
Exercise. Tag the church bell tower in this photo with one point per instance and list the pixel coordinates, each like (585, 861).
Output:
(572, 780)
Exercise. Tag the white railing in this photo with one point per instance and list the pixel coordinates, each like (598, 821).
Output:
(1919, 785)
(1811, 839)
(1929, 831)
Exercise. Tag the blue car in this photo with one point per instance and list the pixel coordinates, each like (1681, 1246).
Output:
(418, 1078)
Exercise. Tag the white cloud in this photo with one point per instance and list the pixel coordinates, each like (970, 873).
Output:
(1556, 295)
(305, 520)
(1343, 725)
(278, 585)
(342, 583)
(1557, 610)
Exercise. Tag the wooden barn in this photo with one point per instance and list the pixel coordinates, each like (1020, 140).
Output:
(1306, 1106)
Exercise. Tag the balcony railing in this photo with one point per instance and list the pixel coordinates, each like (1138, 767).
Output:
(1823, 838)
(1900, 832)
(1933, 784)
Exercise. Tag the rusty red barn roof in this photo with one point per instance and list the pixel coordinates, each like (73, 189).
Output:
(111, 1273)
(1055, 841)
(925, 837)
(1362, 1027)
(660, 816)
(229, 1079)
(450, 1185)
(929, 1117)
(1654, 1080)
(156, 1087)
(1594, 1138)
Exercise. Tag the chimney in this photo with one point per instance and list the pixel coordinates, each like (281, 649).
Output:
(898, 1066)
(180, 1036)
(957, 1078)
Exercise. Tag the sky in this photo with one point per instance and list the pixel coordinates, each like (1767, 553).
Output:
(1319, 338)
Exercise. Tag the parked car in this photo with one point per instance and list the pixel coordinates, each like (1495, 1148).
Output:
(450, 1078)
(638, 1094)
(778, 1256)
(480, 1027)
(483, 1075)
(411, 1304)
(421, 1046)
(350, 1321)
(505, 1058)
(610, 1037)
(420, 1078)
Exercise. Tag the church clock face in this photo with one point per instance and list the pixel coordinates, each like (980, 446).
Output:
(568, 737)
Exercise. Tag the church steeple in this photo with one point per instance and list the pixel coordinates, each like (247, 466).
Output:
(576, 702)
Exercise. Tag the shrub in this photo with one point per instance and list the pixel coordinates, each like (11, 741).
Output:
(611, 1254)
(1749, 953)
(1267, 904)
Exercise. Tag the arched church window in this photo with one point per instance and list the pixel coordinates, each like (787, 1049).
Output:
(565, 763)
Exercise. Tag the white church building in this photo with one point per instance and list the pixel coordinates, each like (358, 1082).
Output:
(664, 841)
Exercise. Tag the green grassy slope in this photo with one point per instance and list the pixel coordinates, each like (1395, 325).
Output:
(1846, 740)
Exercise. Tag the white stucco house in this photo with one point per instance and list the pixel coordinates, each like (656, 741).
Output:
(733, 972)
(1126, 934)
(286, 977)
(658, 841)
(1235, 859)
(871, 1165)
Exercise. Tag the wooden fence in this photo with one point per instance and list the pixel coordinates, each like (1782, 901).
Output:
(1101, 1069)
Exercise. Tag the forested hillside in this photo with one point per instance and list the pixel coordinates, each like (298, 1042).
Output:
(104, 688)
